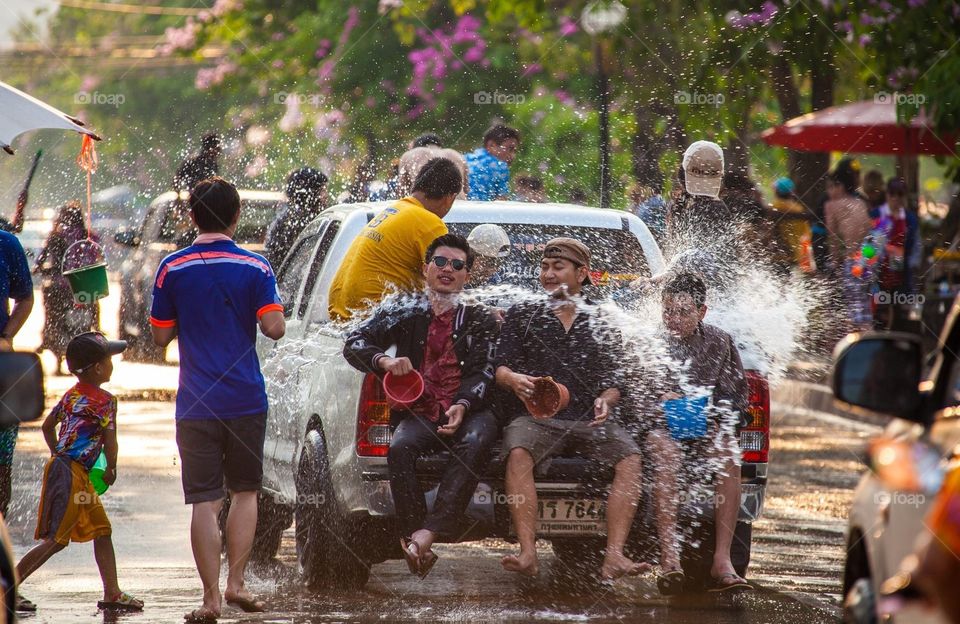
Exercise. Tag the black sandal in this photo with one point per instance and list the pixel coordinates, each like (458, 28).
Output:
(729, 581)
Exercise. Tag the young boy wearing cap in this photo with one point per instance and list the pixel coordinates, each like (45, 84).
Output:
(565, 339)
(70, 509)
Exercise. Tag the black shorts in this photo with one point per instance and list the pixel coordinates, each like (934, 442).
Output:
(218, 454)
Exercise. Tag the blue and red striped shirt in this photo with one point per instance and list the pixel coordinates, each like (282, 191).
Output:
(215, 292)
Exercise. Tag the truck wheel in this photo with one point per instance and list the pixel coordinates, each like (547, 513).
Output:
(272, 520)
(328, 545)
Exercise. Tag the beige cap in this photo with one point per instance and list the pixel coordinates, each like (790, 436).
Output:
(489, 240)
(703, 169)
(569, 249)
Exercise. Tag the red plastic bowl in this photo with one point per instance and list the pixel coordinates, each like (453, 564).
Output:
(549, 397)
(403, 389)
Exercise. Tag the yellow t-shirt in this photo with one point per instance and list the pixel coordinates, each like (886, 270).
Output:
(793, 231)
(387, 253)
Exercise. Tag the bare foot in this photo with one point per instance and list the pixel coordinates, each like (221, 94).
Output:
(525, 564)
(203, 614)
(244, 601)
(616, 565)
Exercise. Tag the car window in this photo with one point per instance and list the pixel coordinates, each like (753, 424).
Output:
(318, 261)
(293, 270)
(255, 219)
(617, 255)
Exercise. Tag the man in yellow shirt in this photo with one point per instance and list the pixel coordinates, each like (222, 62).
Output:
(389, 252)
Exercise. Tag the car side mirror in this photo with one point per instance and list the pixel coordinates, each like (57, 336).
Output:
(127, 236)
(880, 372)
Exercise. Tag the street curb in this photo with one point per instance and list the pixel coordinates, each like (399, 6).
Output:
(818, 397)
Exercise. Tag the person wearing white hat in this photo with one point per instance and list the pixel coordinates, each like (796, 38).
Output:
(491, 244)
(703, 169)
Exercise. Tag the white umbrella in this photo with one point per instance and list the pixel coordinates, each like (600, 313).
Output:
(20, 112)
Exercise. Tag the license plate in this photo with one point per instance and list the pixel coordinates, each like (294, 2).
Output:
(571, 516)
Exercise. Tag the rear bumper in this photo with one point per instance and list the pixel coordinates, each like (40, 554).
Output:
(488, 505)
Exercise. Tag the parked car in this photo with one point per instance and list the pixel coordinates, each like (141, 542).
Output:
(327, 432)
(33, 237)
(885, 373)
(161, 233)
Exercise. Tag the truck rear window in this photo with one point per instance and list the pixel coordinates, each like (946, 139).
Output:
(617, 256)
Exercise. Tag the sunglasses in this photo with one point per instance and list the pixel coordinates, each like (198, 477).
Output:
(455, 264)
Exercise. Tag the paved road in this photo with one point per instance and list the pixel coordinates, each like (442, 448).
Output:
(798, 546)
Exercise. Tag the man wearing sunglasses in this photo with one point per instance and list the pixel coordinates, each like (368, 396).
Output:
(450, 344)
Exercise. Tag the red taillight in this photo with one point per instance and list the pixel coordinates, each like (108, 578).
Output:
(373, 419)
(755, 437)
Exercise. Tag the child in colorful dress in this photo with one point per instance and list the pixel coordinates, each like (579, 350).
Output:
(70, 509)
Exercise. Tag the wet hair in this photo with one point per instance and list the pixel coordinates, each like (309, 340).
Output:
(454, 241)
(438, 178)
(498, 133)
(210, 141)
(304, 185)
(896, 186)
(687, 284)
(71, 215)
(846, 173)
(215, 204)
(425, 140)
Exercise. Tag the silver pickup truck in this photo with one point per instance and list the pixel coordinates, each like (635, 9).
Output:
(327, 434)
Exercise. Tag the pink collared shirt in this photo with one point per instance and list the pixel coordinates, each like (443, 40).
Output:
(211, 237)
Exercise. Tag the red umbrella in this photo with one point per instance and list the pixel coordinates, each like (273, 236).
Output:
(862, 128)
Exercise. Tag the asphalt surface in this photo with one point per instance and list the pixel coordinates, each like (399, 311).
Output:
(798, 547)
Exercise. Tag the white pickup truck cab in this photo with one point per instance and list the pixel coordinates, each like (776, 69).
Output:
(328, 434)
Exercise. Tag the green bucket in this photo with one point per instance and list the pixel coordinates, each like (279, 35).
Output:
(88, 283)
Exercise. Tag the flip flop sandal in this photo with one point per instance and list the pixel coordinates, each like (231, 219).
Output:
(671, 583)
(427, 564)
(413, 560)
(729, 582)
(25, 605)
(247, 605)
(200, 618)
(122, 601)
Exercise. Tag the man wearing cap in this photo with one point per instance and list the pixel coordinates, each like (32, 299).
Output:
(565, 338)
(450, 345)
